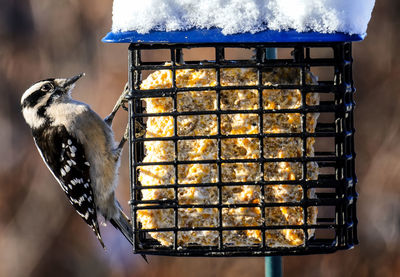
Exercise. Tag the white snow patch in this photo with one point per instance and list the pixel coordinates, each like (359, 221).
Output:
(240, 16)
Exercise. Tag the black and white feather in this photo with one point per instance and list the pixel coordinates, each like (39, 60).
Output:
(67, 161)
(79, 149)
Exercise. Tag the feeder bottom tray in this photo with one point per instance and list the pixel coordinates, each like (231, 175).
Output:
(235, 123)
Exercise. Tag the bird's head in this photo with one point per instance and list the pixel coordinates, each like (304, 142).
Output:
(43, 94)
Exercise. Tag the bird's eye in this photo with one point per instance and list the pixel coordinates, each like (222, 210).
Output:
(46, 87)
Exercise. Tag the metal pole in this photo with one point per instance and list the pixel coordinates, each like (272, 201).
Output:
(273, 264)
(271, 53)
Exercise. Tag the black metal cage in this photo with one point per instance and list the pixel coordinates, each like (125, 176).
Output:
(319, 218)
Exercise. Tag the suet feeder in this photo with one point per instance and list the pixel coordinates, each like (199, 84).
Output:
(241, 157)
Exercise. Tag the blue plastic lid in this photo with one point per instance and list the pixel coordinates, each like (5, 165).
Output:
(215, 35)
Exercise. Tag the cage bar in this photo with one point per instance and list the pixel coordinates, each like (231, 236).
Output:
(334, 226)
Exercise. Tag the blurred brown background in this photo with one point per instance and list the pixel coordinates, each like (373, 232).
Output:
(40, 235)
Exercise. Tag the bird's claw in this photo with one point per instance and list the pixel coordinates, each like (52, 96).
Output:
(122, 100)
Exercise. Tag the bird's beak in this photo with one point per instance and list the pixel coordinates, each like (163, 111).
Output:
(72, 80)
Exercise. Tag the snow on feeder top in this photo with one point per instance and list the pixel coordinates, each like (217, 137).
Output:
(241, 157)
(266, 21)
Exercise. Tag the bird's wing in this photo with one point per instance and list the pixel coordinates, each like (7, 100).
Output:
(65, 157)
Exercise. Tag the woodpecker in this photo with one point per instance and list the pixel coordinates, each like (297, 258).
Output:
(79, 149)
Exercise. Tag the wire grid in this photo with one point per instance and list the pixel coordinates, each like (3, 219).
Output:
(335, 190)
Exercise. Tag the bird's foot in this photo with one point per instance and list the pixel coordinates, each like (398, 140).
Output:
(120, 103)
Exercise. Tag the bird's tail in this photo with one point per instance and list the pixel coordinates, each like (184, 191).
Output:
(124, 225)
